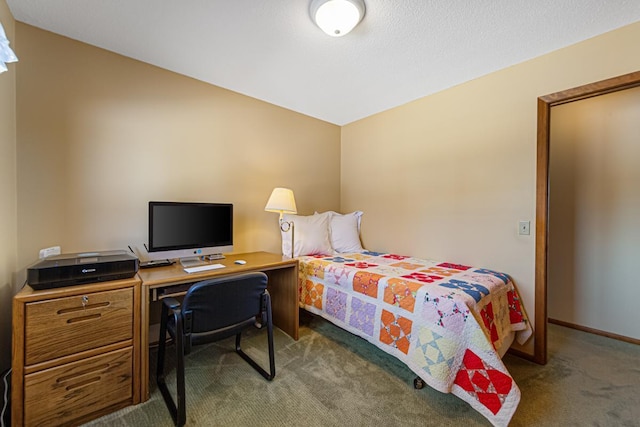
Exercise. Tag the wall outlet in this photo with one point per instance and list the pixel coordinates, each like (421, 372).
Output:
(47, 252)
(524, 228)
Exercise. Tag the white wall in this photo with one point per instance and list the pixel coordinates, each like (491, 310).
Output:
(594, 213)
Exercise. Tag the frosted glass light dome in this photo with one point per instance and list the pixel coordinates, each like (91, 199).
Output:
(337, 17)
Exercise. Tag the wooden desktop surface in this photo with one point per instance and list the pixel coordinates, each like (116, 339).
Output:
(282, 286)
(175, 274)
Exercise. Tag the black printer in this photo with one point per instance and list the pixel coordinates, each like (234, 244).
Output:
(80, 268)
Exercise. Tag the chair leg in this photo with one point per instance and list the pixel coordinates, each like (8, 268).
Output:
(178, 414)
(182, 410)
(272, 365)
(272, 360)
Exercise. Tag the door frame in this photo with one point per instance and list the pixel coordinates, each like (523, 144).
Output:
(626, 81)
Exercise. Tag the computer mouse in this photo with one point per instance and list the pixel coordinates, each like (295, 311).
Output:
(241, 261)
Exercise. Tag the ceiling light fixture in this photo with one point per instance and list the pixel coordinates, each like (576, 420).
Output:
(337, 17)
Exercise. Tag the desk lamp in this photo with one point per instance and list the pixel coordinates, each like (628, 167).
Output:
(282, 201)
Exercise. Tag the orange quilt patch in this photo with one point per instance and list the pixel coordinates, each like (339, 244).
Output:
(401, 293)
(313, 269)
(395, 331)
(366, 283)
(407, 265)
(313, 294)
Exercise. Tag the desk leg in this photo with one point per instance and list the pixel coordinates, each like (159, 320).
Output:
(283, 288)
(144, 344)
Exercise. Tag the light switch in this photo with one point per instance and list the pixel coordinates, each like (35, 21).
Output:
(523, 228)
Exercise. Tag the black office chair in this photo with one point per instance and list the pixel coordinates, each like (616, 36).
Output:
(212, 310)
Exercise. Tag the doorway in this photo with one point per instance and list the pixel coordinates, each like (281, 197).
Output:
(542, 191)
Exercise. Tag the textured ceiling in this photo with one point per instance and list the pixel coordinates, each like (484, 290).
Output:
(271, 50)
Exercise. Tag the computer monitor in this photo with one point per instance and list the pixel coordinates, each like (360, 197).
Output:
(190, 231)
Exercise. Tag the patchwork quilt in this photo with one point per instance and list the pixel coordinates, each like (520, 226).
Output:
(445, 321)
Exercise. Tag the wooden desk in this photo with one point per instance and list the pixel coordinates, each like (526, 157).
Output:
(283, 288)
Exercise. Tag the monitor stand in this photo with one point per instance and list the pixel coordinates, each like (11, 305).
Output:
(192, 262)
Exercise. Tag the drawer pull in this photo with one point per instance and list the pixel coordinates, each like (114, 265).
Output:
(83, 383)
(94, 370)
(85, 307)
(85, 318)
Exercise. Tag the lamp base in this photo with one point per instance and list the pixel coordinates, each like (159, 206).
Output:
(289, 226)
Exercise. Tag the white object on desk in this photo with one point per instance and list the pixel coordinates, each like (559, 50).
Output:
(203, 268)
(240, 261)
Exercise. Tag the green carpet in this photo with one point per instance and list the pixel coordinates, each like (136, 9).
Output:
(332, 378)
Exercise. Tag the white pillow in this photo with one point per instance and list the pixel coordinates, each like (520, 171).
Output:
(345, 231)
(311, 235)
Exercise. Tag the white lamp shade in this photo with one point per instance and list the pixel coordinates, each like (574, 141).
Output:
(337, 17)
(281, 201)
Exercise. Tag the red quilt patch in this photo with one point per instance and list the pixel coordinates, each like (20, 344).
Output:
(488, 319)
(422, 277)
(360, 264)
(515, 310)
(452, 265)
(393, 256)
(487, 384)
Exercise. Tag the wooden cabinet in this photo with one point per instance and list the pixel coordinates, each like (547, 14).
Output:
(76, 352)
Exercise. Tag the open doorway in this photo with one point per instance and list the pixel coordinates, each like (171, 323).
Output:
(542, 191)
(594, 215)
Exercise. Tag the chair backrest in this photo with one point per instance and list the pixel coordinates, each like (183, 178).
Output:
(221, 302)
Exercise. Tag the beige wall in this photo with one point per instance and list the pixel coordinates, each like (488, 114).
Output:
(99, 135)
(594, 213)
(8, 190)
(450, 175)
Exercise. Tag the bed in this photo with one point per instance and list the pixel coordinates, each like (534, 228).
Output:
(449, 323)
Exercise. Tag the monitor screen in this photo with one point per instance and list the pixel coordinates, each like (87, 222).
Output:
(190, 228)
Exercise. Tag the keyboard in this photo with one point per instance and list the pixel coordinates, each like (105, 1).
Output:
(203, 268)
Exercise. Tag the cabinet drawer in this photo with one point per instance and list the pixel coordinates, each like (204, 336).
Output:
(64, 326)
(62, 394)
